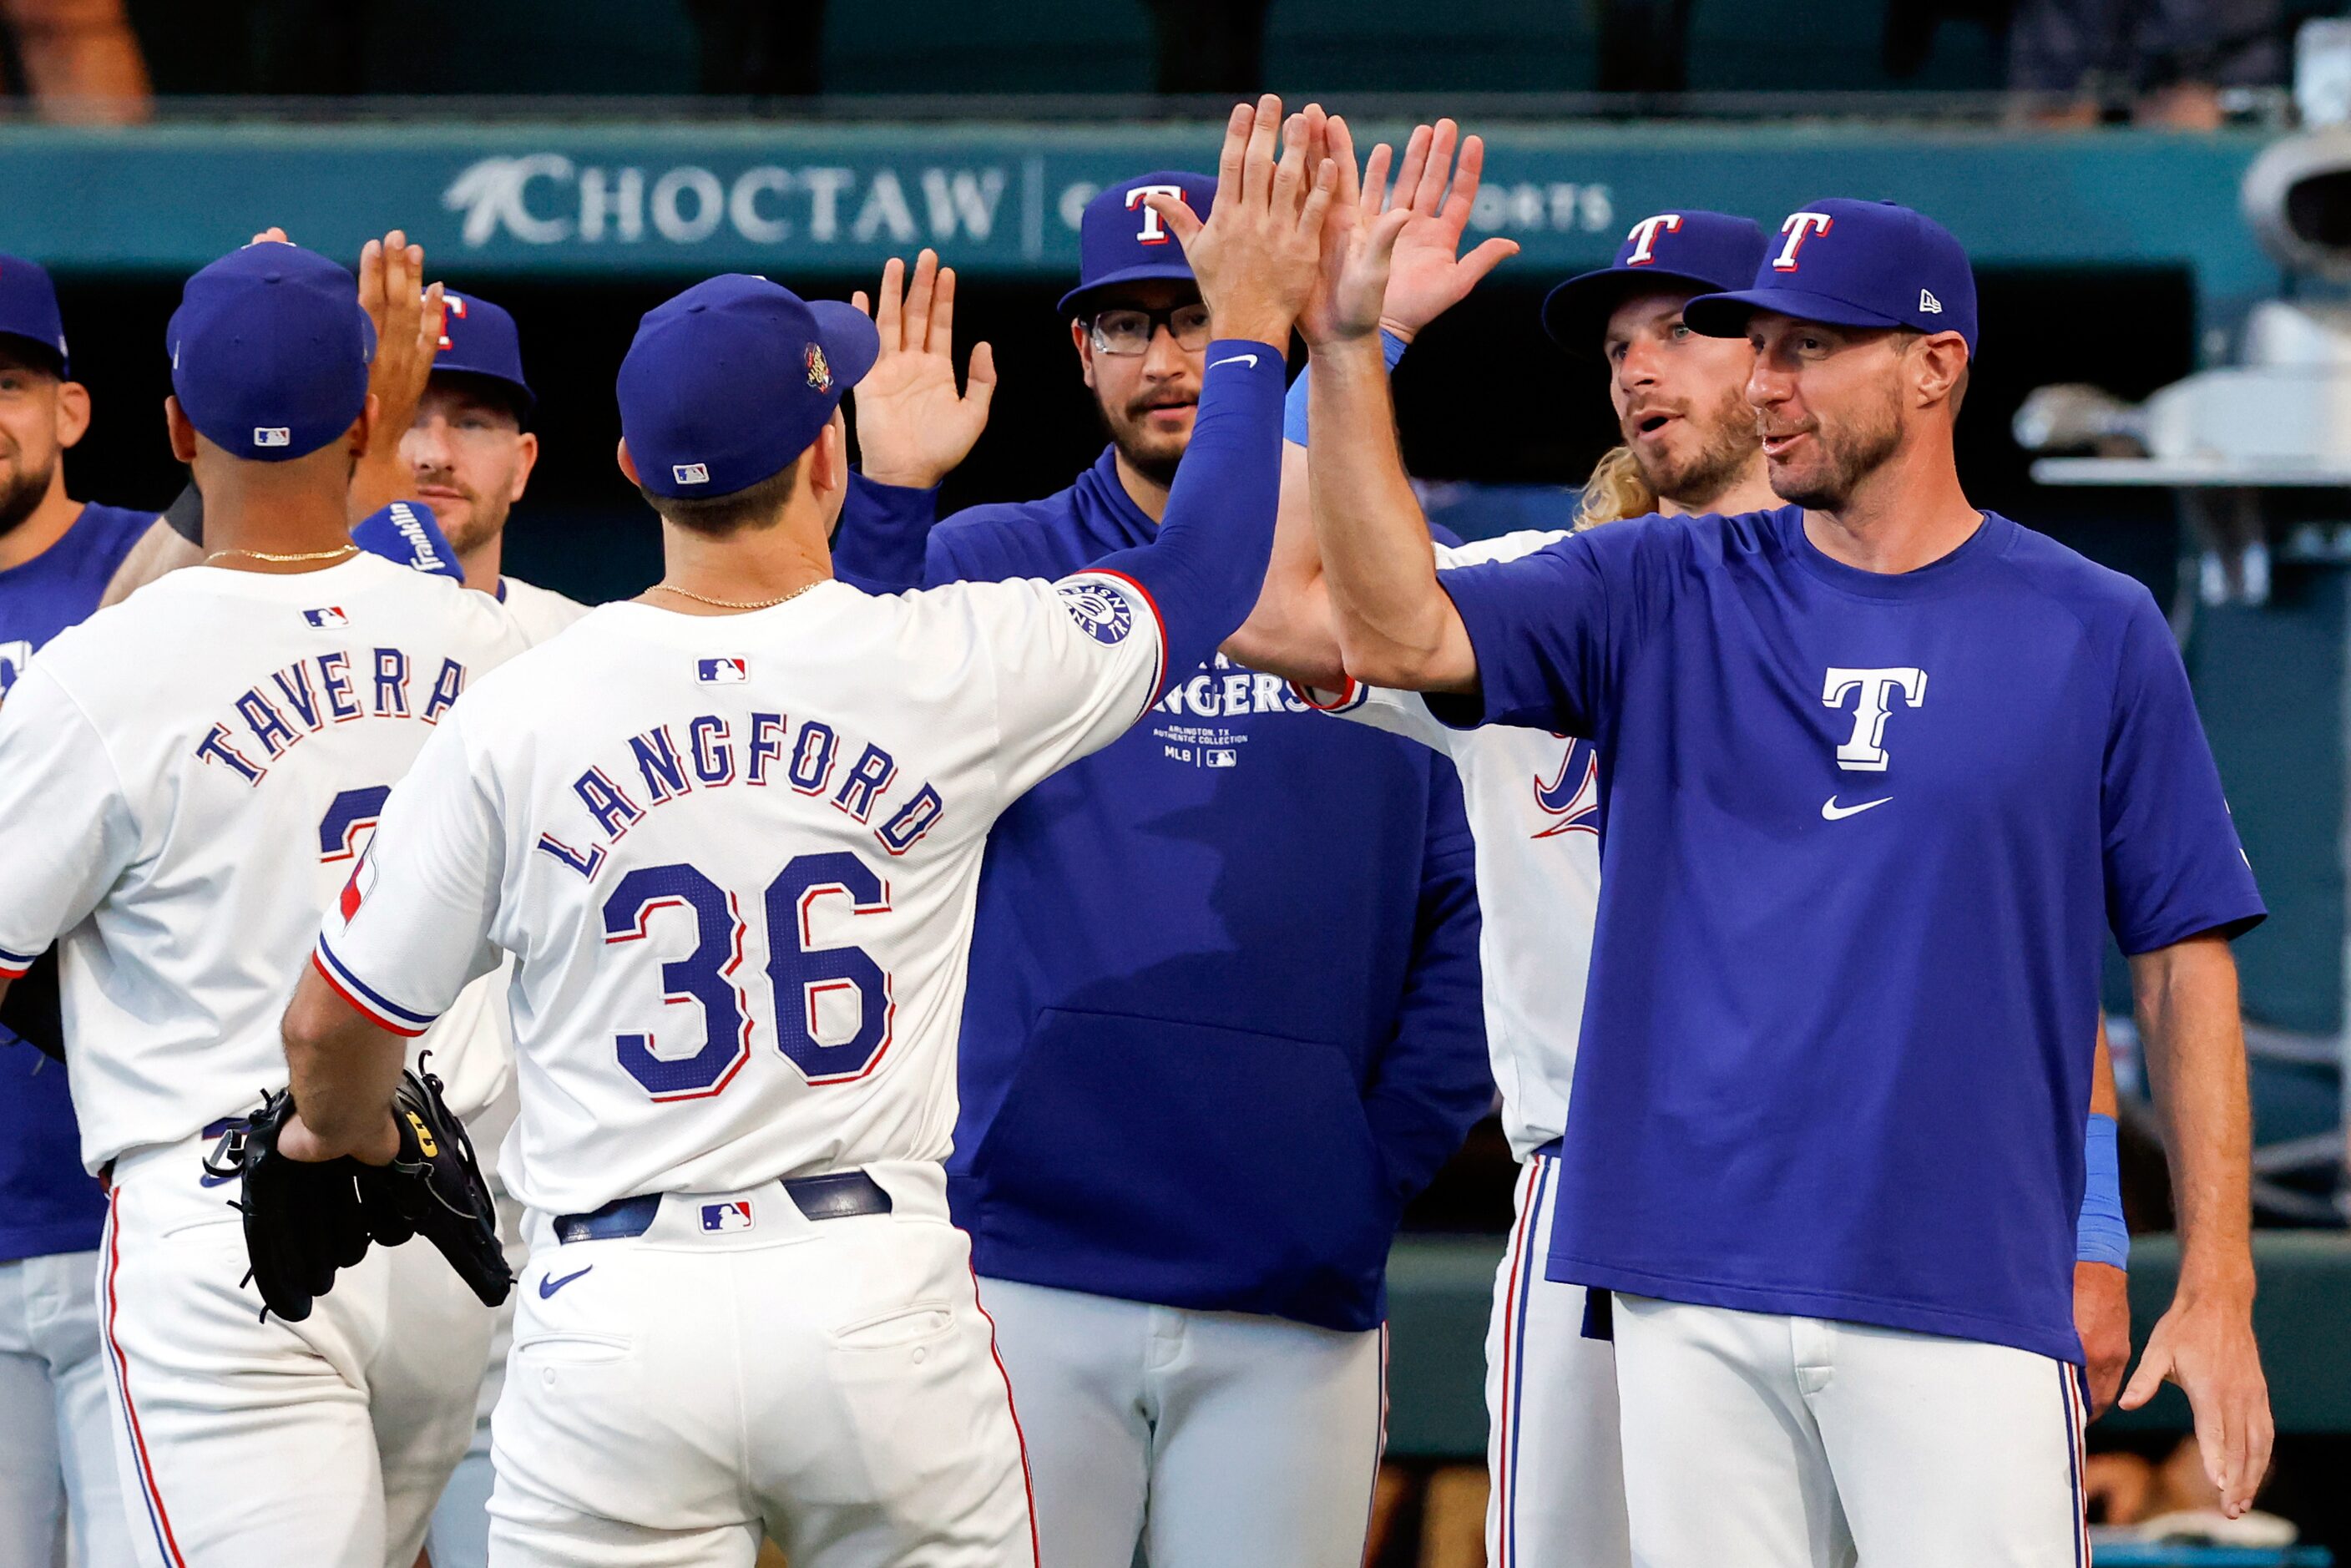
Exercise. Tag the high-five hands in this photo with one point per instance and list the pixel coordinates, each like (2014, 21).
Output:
(1429, 275)
(912, 428)
(408, 319)
(1359, 248)
(1258, 253)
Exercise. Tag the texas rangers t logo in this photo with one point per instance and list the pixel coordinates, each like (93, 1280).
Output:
(1645, 237)
(1865, 750)
(1152, 232)
(1799, 227)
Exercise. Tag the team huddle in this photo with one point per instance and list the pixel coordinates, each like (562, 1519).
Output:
(951, 1011)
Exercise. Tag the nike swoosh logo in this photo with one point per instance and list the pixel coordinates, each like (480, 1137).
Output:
(1249, 359)
(549, 1285)
(1832, 812)
(208, 1179)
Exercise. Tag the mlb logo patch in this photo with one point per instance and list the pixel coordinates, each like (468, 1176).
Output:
(722, 671)
(734, 1216)
(332, 615)
(272, 435)
(691, 473)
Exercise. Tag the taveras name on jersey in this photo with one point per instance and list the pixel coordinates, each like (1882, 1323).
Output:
(736, 860)
(182, 780)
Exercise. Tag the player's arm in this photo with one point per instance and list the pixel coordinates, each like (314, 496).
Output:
(2177, 886)
(407, 317)
(408, 933)
(1254, 258)
(2195, 1043)
(1432, 1081)
(163, 548)
(2102, 1243)
(1290, 633)
(66, 827)
(1395, 626)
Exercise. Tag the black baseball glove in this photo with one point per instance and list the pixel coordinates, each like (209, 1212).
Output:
(302, 1219)
(433, 1188)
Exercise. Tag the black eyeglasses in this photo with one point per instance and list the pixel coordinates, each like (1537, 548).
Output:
(1127, 330)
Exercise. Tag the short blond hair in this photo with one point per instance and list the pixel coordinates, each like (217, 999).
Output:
(1616, 490)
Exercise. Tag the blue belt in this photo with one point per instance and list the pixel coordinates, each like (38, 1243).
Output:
(836, 1194)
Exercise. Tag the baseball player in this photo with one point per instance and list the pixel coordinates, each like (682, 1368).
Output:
(740, 890)
(56, 1447)
(1824, 1150)
(1191, 1116)
(1690, 447)
(184, 779)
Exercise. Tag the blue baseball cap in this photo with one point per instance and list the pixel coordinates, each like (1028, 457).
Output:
(478, 338)
(28, 310)
(1854, 264)
(1120, 240)
(734, 378)
(1704, 252)
(269, 352)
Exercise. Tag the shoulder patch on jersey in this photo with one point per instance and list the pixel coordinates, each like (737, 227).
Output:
(1101, 612)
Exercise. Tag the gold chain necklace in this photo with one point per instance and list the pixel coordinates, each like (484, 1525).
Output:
(278, 558)
(737, 604)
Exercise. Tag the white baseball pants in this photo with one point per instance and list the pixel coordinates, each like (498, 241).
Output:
(1786, 1442)
(56, 1439)
(1217, 1439)
(834, 1381)
(242, 1440)
(1552, 1452)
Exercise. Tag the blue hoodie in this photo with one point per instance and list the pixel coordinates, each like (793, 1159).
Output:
(1224, 1014)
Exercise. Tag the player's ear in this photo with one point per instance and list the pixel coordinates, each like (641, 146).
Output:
(628, 464)
(1938, 363)
(182, 434)
(73, 413)
(364, 428)
(828, 459)
(1083, 341)
(526, 448)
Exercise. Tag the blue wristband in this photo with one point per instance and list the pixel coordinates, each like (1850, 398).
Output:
(1293, 405)
(2101, 1237)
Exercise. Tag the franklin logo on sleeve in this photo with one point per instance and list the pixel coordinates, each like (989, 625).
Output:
(722, 671)
(734, 1215)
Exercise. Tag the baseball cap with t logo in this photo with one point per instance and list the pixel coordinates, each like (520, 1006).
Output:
(1854, 264)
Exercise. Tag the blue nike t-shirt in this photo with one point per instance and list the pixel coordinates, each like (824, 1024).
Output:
(1866, 833)
(48, 1204)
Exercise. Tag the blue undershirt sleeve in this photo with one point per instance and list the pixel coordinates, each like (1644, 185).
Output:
(2100, 1236)
(1206, 566)
(884, 528)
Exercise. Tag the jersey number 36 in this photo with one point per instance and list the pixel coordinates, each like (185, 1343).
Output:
(804, 980)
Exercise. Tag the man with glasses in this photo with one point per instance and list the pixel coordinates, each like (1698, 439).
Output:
(1223, 1017)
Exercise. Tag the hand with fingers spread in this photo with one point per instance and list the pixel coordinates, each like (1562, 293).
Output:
(911, 427)
(2205, 1345)
(1359, 247)
(407, 317)
(1430, 274)
(1257, 255)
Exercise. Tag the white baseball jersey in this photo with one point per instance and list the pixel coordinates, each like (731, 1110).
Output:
(1534, 804)
(184, 779)
(736, 860)
(541, 613)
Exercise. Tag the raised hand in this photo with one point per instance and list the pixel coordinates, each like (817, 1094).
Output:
(1430, 275)
(408, 317)
(1257, 255)
(1352, 281)
(912, 428)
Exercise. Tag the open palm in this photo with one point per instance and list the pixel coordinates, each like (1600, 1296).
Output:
(913, 427)
(1429, 275)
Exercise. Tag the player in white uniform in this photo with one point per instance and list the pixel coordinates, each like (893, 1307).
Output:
(736, 856)
(182, 779)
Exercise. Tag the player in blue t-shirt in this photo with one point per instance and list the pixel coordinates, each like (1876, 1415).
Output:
(1881, 770)
(57, 556)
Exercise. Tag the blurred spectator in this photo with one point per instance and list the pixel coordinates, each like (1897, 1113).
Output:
(1643, 46)
(2169, 59)
(761, 48)
(1210, 46)
(78, 59)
